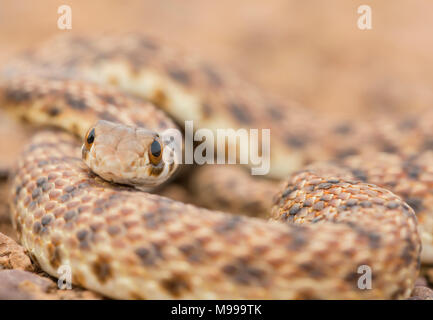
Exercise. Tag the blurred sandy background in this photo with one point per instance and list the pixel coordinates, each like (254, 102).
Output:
(310, 51)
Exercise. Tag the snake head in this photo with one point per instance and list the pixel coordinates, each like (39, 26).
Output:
(127, 155)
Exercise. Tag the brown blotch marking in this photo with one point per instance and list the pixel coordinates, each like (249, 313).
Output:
(75, 103)
(17, 95)
(79, 278)
(37, 227)
(298, 238)
(275, 112)
(243, 273)
(312, 270)
(176, 285)
(150, 255)
(102, 270)
(136, 296)
(193, 252)
(46, 220)
(213, 77)
(343, 129)
(360, 174)
(296, 141)
(159, 98)
(54, 256)
(240, 113)
(415, 203)
(179, 75)
(54, 111)
(229, 224)
(108, 99)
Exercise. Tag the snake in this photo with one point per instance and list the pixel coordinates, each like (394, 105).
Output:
(340, 195)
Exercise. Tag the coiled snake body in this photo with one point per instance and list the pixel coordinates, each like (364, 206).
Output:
(327, 219)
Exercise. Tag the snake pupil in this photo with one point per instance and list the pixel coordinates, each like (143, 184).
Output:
(155, 149)
(91, 136)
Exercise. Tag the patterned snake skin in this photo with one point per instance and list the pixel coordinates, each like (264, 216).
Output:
(354, 208)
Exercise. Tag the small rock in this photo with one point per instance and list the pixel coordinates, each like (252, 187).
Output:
(422, 293)
(13, 256)
(421, 281)
(19, 285)
(24, 285)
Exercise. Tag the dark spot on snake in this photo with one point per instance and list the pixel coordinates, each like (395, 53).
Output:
(241, 272)
(415, 203)
(413, 170)
(176, 285)
(193, 252)
(298, 238)
(149, 256)
(46, 220)
(343, 129)
(42, 163)
(108, 99)
(240, 112)
(275, 112)
(295, 209)
(83, 185)
(341, 154)
(18, 189)
(70, 215)
(324, 185)
(392, 205)
(148, 44)
(32, 205)
(36, 193)
(64, 198)
(212, 76)
(312, 270)
(389, 148)
(54, 256)
(427, 144)
(229, 225)
(82, 234)
(102, 269)
(159, 98)
(37, 226)
(17, 95)
(351, 202)
(75, 103)
(54, 111)
(407, 124)
(374, 240)
(296, 141)
(359, 174)
(366, 204)
(179, 75)
(41, 181)
(113, 230)
(319, 205)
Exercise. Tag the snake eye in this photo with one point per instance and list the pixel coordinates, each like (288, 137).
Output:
(155, 152)
(90, 138)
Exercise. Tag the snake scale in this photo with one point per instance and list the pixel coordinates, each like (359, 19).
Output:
(353, 190)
